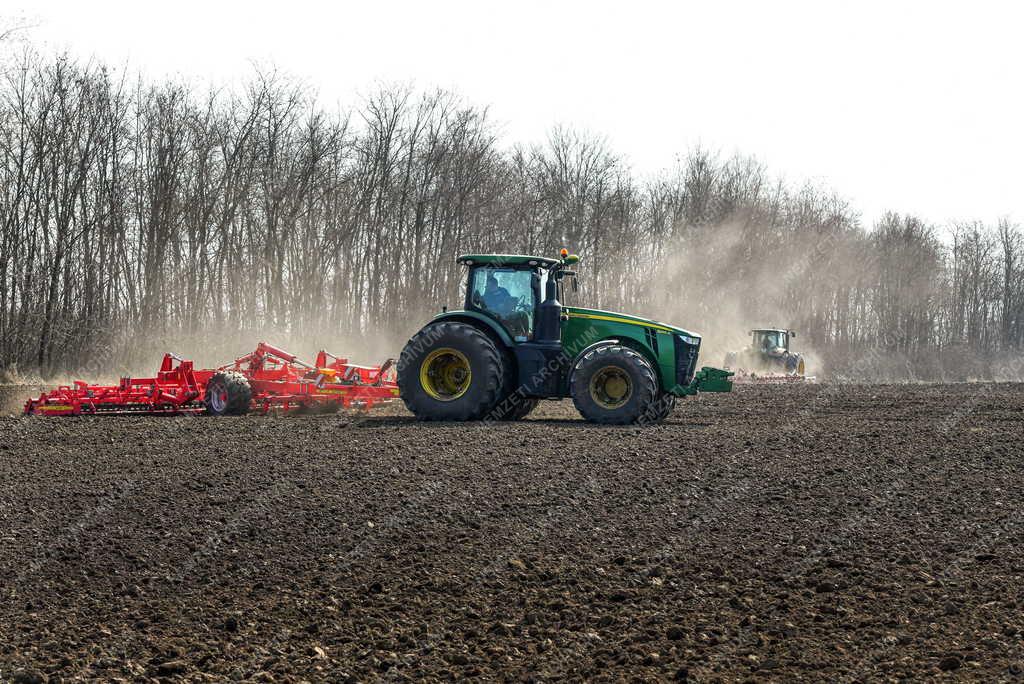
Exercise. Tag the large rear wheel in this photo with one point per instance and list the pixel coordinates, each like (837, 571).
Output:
(615, 385)
(451, 371)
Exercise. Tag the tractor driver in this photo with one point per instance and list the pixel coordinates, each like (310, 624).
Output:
(505, 306)
(773, 344)
(497, 299)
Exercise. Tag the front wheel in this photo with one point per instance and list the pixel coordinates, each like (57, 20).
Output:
(614, 385)
(451, 371)
(660, 409)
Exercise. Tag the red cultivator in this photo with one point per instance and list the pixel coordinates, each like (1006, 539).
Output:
(267, 379)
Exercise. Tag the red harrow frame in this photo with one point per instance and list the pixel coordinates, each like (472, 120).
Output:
(267, 379)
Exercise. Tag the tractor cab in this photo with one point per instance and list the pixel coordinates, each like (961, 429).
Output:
(771, 341)
(513, 290)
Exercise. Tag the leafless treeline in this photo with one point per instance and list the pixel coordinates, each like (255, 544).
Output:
(131, 211)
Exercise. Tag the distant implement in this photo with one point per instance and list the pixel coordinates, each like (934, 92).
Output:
(768, 358)
(267, 379)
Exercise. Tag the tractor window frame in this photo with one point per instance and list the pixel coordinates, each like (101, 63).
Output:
(517, 334)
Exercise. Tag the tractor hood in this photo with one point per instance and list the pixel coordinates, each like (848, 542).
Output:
(598, 314)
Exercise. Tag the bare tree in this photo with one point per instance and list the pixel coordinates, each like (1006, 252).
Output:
(153, 212)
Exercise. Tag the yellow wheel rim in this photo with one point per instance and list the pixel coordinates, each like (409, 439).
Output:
(445, 374)
(611, 387)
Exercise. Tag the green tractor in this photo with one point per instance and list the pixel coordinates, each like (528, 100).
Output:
(513, 343)
(768, 357)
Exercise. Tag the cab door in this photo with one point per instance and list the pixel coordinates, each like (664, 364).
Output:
(508, 295)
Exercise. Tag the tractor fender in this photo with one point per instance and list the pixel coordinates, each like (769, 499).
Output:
(488, 325)
(585, 350)
(644, 351)
(599, 343)
(623, 342)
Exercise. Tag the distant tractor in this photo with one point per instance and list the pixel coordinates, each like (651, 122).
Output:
(513, 344)
(769, 355)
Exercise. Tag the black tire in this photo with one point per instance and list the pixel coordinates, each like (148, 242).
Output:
(627, 367)
(475, 396)
(793, 364)
(227, 394)
(660, 409)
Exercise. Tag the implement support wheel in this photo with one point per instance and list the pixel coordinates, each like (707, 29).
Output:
(228, 394)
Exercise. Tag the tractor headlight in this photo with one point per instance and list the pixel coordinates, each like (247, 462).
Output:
(687, 348)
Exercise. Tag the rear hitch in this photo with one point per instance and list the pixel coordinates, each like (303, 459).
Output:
(709, 379)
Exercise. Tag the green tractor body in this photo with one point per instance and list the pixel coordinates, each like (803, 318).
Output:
(514, 343)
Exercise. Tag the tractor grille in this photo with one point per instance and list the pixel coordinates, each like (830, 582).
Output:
(686, 360)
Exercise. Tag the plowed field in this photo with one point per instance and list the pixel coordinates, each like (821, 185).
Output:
(816, 532)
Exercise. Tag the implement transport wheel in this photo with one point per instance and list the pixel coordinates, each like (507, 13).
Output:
(228, 394)
(615, 385)
(451, 371)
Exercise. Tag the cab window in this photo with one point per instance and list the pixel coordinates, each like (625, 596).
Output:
(770, 340)
(507, 294)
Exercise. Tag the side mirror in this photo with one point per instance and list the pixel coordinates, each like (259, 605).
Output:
(792, 334)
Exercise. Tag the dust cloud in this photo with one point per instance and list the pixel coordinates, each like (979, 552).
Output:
(708, 290)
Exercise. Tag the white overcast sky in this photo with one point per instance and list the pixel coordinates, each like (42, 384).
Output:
(910, 106)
